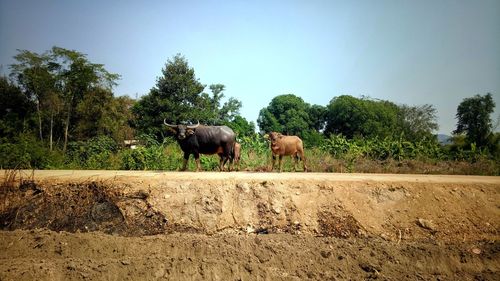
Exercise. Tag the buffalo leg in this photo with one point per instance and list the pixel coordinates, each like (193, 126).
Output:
(222, 162)
(227, 159)
(197, 160)
(228, 154)
(186, 158)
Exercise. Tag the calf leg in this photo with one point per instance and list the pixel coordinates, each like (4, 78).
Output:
(280, 162)
(272, 164)
(303, 157)
(295, 160)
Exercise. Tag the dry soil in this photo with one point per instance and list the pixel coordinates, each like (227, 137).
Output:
(121, 225)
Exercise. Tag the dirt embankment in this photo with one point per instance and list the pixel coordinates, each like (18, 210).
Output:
(249, 226)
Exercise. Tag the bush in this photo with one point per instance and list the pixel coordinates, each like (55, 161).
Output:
(94, 154)
(23, 152)
(153, 156)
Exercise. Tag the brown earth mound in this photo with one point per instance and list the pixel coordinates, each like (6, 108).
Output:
(249, 226)
(82, 207)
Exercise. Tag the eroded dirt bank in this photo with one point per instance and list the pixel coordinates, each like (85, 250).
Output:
(60, 225)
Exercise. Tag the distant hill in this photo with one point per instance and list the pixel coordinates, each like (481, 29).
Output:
(444, 139)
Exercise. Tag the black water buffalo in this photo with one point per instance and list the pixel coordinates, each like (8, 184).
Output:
(198, 139)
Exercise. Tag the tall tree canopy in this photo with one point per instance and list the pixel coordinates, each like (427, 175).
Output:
(290, 115)
(36, 76)
(363, 117)
(57, 81)
(178, 97)
(15, 109)
(473, 115)
(418, 122)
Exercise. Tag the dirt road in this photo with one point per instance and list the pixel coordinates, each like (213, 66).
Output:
(245, 176)
(90, 225)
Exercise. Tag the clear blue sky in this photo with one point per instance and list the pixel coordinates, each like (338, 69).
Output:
(411, 52)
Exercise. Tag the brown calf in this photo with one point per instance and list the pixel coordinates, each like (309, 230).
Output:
(287, 145)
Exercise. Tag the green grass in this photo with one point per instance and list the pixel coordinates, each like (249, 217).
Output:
(335, 154)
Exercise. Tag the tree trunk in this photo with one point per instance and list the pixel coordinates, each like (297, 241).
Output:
(39, 119)
(66, 127)
(51, 128)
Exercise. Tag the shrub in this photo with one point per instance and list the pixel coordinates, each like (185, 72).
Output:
(23, 152)
(93, 154)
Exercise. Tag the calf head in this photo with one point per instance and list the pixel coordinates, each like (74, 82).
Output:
(275, 137)
(182, 131)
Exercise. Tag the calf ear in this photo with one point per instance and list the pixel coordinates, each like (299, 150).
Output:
(280, 136)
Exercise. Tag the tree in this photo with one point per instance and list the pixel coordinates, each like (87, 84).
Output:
(287, 114)
(241, 126)
(474, 120)
(57, 81)
(178, 97)
(230, 110)
(91, 113)
(76, 76)
(267, 121)
(215, 114)
(418, 122)
(15, 109)
(120, 118)
(354, 117)
(33, 73)
(100, 113)
(317, 115)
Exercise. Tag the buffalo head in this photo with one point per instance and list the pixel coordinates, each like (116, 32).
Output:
(182, 131)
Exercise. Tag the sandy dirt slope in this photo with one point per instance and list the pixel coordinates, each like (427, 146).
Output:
(116, 225)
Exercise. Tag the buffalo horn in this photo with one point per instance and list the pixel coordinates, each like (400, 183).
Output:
(194, 126)
(165, 122)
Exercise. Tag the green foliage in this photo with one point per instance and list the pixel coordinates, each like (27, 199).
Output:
(255, 152)
(317, 115)
(312, 138)
(92, 111)
(95, 154)
(99, 113)
(474, 120)
(267, 122)
(152, 155)
(418, 122)
(15, 109)
(59, 111)
(178, 97)
(241, 127)
(382, 149)
(290, 115)
(367, 118)
(217, 114)
(57, 81)
(23, 152)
